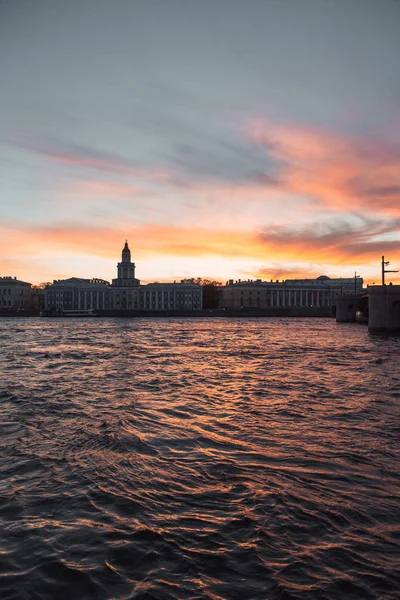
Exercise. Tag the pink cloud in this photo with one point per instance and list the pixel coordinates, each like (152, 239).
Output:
(338, 246)
(340, 172)
(105, 189)
(76, 156)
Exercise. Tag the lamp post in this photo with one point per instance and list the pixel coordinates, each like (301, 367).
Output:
(329, 293)
(355, 281)
(385, 264)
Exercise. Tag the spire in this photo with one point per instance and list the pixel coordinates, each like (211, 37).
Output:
(126, 253)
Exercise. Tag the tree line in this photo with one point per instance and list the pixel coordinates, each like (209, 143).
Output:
(210, 290)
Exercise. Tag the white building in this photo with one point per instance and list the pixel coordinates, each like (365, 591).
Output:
(125, 293)
(14, 293)
(319, 292)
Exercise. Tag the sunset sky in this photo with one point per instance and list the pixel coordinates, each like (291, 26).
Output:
(223, 138)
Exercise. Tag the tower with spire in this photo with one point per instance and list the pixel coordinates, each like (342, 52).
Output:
(126, 270)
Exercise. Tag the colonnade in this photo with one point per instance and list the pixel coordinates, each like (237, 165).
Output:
(259, 297)
(286, 297)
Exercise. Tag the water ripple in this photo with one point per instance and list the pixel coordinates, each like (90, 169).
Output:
(205, 458)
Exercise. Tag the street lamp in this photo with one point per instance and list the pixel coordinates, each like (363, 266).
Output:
(355, 282)
(385, 264)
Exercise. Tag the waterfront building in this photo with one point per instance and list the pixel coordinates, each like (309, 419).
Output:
(77, 294)
(14, 294)
(171, 296)
(319, 292)
(37, 298)
(124, 293)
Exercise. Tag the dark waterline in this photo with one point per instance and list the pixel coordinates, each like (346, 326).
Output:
(198, 458)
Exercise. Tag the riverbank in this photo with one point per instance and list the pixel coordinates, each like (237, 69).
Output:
(19, 313)
(226, 313)
(210, 313)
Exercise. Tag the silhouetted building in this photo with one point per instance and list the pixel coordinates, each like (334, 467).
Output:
(319, 292)
(125, 292)
(126, 270)
(37, 298)
(171, 296)
(14, 293)
(76, 293)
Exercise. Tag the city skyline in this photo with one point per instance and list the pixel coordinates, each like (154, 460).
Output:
(224, 140)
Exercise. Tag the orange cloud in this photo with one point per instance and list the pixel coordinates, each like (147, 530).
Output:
(149, 240)
(277, 273)
(335, 171)
(337, 248)
(341, 173)
(226, 219)
(331, 244)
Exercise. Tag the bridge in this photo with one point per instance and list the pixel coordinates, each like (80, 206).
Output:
(378, 306)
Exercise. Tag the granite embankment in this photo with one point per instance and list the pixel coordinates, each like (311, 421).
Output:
(228, 313)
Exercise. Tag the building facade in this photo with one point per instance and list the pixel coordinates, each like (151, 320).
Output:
(77, 294)
(319, 292)
(124, 293)
(171, 296)
(14, 294)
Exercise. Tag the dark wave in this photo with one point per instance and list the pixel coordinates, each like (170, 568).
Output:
(180, 459)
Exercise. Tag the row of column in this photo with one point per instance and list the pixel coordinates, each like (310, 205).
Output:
(90, 299)
(299, 298)
(280, 298)
(84, 299)
(174, 300)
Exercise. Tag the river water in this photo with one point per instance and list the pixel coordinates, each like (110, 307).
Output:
(198, 458)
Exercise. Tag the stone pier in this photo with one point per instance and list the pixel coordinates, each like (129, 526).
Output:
(384, 307)
(347, 308)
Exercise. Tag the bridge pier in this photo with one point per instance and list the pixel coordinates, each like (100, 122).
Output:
(384, 308)
(348, 308)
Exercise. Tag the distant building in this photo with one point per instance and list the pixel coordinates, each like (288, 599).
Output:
(77, 294)
(14, 293)
(125, 289)
(125, 292)
(321, 291)
(171, 296)
(126, 270)
(37, 298)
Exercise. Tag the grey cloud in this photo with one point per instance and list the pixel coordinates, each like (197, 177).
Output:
(340, 236)
(210, 160)
(388, 191)
(201, 159)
